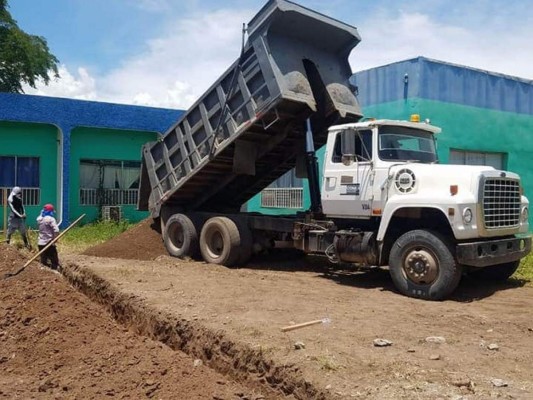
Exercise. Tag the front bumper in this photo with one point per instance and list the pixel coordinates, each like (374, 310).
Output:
(493, 252)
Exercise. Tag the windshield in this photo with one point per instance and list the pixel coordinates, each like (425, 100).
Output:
(398, 143)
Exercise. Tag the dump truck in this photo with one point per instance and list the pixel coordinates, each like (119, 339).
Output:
(383, 199)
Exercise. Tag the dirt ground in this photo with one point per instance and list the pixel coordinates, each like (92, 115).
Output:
(55, 343)
(231, 319)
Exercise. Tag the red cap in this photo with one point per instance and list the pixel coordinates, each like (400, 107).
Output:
(48, 207)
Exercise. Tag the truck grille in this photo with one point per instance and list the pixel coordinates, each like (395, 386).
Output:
(501, 203)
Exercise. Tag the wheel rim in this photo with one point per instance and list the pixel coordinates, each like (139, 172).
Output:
(215, 244)
(420, 266)
(176, 235)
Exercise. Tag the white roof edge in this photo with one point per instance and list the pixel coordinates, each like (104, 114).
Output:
(380, 122)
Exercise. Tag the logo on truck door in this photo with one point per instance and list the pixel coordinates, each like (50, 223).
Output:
(352, 189)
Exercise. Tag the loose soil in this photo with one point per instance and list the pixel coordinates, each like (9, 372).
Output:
(231, 320)
(140, 242)
(55, 343)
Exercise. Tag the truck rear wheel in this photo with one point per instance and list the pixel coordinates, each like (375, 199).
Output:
(246, 242)
(220, 241)
(422, 265)
(181, 236)
(495, 273)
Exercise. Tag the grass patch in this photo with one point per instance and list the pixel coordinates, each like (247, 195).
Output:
(327, 363)
(78, 239)
(525, 271)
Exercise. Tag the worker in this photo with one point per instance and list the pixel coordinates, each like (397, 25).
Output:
(48, 231)
(17, 216)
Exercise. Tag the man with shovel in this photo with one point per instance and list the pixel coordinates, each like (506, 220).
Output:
(48, 230)
(17, 216)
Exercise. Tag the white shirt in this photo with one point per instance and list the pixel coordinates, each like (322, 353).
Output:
(48, 229)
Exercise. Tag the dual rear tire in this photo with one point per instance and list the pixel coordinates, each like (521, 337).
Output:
(222, 240)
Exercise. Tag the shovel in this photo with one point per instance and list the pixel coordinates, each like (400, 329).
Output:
(10, 274)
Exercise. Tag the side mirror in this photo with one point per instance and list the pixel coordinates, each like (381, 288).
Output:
(348, 146)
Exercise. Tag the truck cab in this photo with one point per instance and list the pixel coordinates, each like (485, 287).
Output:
(384, 176)
(359, 158)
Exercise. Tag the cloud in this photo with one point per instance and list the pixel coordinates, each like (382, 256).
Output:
(80, 85)
(411, 34)
(179, 95)
(173, 71)
(180, 65)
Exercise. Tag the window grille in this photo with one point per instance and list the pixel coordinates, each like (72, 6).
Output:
(108, 197)
(30, 196)
(109, 182)
(282, 198)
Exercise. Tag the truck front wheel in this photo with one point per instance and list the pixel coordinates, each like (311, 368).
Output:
(495, 273)
(181, 236)
(422, 265)
(220, 241)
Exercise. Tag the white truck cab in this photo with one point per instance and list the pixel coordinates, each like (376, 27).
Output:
(384, 175)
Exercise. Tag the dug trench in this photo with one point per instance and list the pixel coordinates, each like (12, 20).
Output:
(235, 360)
(57, 343)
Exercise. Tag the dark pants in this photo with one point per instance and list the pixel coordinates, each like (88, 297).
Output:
(15, 223)
(49, 257)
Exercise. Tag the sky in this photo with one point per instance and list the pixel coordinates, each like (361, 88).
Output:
(166, 53)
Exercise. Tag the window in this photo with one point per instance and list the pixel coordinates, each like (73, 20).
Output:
(363, 146)
(398, 143)
(109, 182)
(19, 171)
(23, 172)
(287, 180)
(463, 157)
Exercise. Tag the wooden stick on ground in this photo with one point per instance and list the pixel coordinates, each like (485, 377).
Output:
(304, 324)
(10, 274)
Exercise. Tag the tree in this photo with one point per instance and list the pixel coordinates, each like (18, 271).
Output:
(24, 58)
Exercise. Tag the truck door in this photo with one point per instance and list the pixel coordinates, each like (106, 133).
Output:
(348, 175)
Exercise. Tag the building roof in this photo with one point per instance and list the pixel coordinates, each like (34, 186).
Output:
(441, 81)
(69, 113)
(419, 77)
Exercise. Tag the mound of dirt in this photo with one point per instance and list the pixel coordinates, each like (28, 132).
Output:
(10, 257)
(141, 242)
(55, 343)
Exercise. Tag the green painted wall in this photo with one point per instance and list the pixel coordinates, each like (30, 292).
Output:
(473, 129)
(103, 144)
(34, 140)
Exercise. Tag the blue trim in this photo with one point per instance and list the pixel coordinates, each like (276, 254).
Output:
(436, 80)
(73, 113)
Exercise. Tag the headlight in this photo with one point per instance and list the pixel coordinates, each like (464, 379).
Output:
(467, 215)
(524, 215)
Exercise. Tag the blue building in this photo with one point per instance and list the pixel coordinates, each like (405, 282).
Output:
(82, 156)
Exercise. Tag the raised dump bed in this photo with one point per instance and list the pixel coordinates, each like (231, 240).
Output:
(248, 129)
